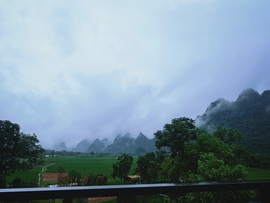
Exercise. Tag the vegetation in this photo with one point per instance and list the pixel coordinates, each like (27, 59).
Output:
(194, 155)
(28, 178)
(148, 167)
(19, 151)
(176, 137)
(187, 154)
(258, 174)
(249, 114)
(184, 154)
(103, 165)
(122, 167)
(86, 165)
(93, 165)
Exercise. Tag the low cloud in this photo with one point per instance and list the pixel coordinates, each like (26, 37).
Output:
(74, 70)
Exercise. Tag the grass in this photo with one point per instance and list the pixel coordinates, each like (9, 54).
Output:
(258, 174)
(87, 165)
(100, 165)
(29, 177)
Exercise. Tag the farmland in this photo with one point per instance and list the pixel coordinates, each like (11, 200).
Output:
(86, 165)
(258, 174)
(98, 165)
(30, 177)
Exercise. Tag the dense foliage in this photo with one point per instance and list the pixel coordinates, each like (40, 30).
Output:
(122, 167)
(19, 151)
(148, 167)
(249, 114)
(188, 154)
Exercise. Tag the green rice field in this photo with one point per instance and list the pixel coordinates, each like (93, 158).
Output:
(258, 174)
(87, 165)
(30, 176)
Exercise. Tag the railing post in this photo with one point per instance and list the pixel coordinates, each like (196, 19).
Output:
(68, 200)
(264, 195)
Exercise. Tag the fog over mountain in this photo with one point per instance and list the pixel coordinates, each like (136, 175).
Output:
(121, 144)
(249, 114)
(75, 70)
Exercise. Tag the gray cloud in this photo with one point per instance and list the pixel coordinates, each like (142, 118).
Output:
(74, 70)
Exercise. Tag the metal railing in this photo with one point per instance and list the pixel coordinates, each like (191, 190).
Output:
(67, 194)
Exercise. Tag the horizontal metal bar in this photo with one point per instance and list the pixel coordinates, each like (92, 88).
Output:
(118, 190)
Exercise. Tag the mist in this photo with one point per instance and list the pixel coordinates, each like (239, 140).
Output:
(86, 69)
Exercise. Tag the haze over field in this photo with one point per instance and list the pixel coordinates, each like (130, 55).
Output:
(71, 70)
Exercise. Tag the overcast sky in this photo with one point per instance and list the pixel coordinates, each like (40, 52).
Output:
(71, 70)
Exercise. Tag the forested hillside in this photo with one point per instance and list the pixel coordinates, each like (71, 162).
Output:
(249, 114)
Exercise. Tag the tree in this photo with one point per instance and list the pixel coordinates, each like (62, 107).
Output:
(122, 167)
(97, 179)
(62, 177)
(148, 167)
(211, 168)
(17, 182)
(174, 135)
(229, 136)
(177, 137)
(218, 156)
(74, 177)
(195, 155)
(19, 151)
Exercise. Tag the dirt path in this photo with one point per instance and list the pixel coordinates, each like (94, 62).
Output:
(43, 170)
(53, 176)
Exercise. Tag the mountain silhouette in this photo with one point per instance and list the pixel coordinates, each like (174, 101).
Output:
(249, 114)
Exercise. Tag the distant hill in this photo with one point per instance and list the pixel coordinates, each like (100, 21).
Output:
(82, 146)
(97, 146)
(250, 114)
(121, 144)
(128, 144)
(61, 147)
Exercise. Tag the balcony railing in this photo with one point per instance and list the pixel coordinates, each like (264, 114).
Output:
(67, 194)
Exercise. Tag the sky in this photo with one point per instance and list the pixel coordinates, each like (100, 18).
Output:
(71, 70)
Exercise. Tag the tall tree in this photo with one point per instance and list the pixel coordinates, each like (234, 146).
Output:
(194, 155)
(148, 167)
(19, 151)
(177, 137)
(122, 167)
(174, 135)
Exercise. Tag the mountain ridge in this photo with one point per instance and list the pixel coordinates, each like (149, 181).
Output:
(121, 144)
(249, 114)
